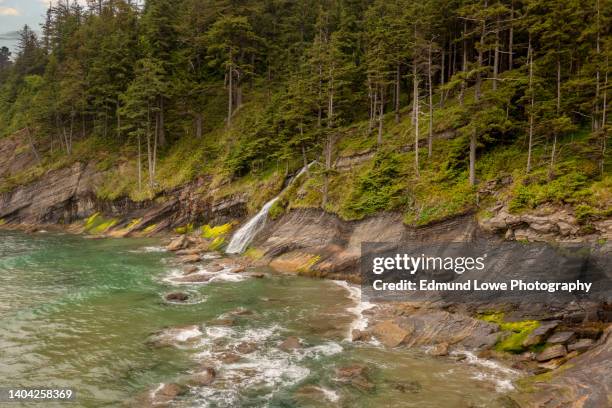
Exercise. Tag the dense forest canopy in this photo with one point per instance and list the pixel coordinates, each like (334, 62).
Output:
(144, 77)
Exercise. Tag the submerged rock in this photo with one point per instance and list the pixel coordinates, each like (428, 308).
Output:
(161, 396)
(246, 347)
(355, 375)
(410, 386)
(174, 336)
(290, 343)
(204, 377)
(214, 268)
(176, 297)
(193, 278)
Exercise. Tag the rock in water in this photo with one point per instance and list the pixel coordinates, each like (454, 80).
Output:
(190, 258)
(177, 243)
(205, 377)
(290, 343)
(439, 350)
(552, 352)
(190, 269)
(355, 375)
(246, 347)
(177, 297)
(360, 335)
(390, 334)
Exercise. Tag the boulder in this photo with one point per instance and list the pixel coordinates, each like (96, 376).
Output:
(193, 278)
(562, 337)
(440, 349)
(360, 335)
(239, 269)
(177, 243)
(214, 268)
(552, 352)
(176, 297)
(290, 343)
(581, 345)
(190, 269)
(540, 333)
(204, 377)
(390, 334)
(190, 258)
(188, 251)
(257, 275)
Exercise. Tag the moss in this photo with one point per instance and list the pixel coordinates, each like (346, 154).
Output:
(216, 244)
(307, 266)
(216, 231)
(2, 221)
(133, 223)
(184, 229)
(519, 331)
(149, 228)
(253, 254)
(96, 224)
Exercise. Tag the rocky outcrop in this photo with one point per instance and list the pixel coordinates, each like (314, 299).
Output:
(546, 223)
(584, 383)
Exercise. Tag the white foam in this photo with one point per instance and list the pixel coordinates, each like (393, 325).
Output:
(150, 249)
(326, 349)
(331, 395)
(360, 322)
(186, 334)
(495, 372)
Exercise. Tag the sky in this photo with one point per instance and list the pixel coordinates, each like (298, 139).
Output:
(14, 14)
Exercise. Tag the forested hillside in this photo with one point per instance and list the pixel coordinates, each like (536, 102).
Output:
(508, 96)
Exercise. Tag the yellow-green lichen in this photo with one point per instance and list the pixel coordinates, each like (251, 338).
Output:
(150, 228)
(209, 232)
(216, 244)
(185, 229)
(96, 224)
(133, 223)
(307, 266)
(254, 254)
(518, 332)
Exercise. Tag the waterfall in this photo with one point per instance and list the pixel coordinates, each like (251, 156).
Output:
(243, 237)
(245, 234)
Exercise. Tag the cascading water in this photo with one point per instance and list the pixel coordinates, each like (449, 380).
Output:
(243, 237)
(245, 234)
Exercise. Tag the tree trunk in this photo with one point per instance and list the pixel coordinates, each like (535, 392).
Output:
(480, 58)
(329, 142)
(139, 166)
(604, 133)
(416, 127)
(198, 125)
(496, 56)
(463, 65)
(531, 112)
(162, 128)
(397, 93)
(31, 142)
(149, 155)
(511, 36)
(473, 158)
(230, 92)
(380, 116)
(431, 108)
(597, 74)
